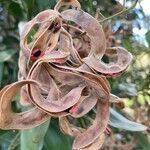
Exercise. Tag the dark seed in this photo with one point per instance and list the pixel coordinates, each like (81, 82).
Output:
(37, 53)
(77, 32)
(66, 1)
(57, 28)
(51, 26)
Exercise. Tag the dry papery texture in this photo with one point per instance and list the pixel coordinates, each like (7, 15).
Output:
(62, 74)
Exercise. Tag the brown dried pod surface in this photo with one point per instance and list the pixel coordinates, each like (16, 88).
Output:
(61, 74)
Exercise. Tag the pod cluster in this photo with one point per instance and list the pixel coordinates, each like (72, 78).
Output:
(62, 74)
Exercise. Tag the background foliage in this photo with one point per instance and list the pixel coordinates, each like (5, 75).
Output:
(134, 85)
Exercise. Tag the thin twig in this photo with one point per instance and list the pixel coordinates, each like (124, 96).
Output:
(120, 13)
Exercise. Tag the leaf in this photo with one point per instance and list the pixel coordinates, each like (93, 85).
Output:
(6, 54)
(46, 4)
(127, 89)
(142, 141)
(33, 139)
(15, 142)
(6, 136)
(30, 7)
(147, 35)
(15, 9)
(1, 72)
(55, 140)
(119, 121)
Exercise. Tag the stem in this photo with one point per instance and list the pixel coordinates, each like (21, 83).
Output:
(120, 13)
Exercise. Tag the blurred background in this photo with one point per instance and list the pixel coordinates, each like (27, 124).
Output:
(132, 32)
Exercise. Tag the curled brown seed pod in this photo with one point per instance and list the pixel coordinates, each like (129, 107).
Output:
(23, 120)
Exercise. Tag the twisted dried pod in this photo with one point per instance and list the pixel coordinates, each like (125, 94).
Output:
(86, 21)
(98, 45)
(73, 83)
(23, 120)
(85, 138)
(72, 130)
(48, 24)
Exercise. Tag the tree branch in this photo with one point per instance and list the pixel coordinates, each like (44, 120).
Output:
(120, 13)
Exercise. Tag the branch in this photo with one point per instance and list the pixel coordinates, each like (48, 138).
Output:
(120, 13)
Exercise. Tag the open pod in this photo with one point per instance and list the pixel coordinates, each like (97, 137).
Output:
(60, 93)
(88, 137)
(23, 120)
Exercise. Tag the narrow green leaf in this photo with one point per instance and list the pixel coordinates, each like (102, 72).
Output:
(15, 142)
(30, 6)
(6, 136)
(1, 72)
(143, 142)
(33, 139)
(46, 4)
(55, 139)
(127, 89)
(15, 9)
(147, 35)
(6, 55)
(119, 121)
